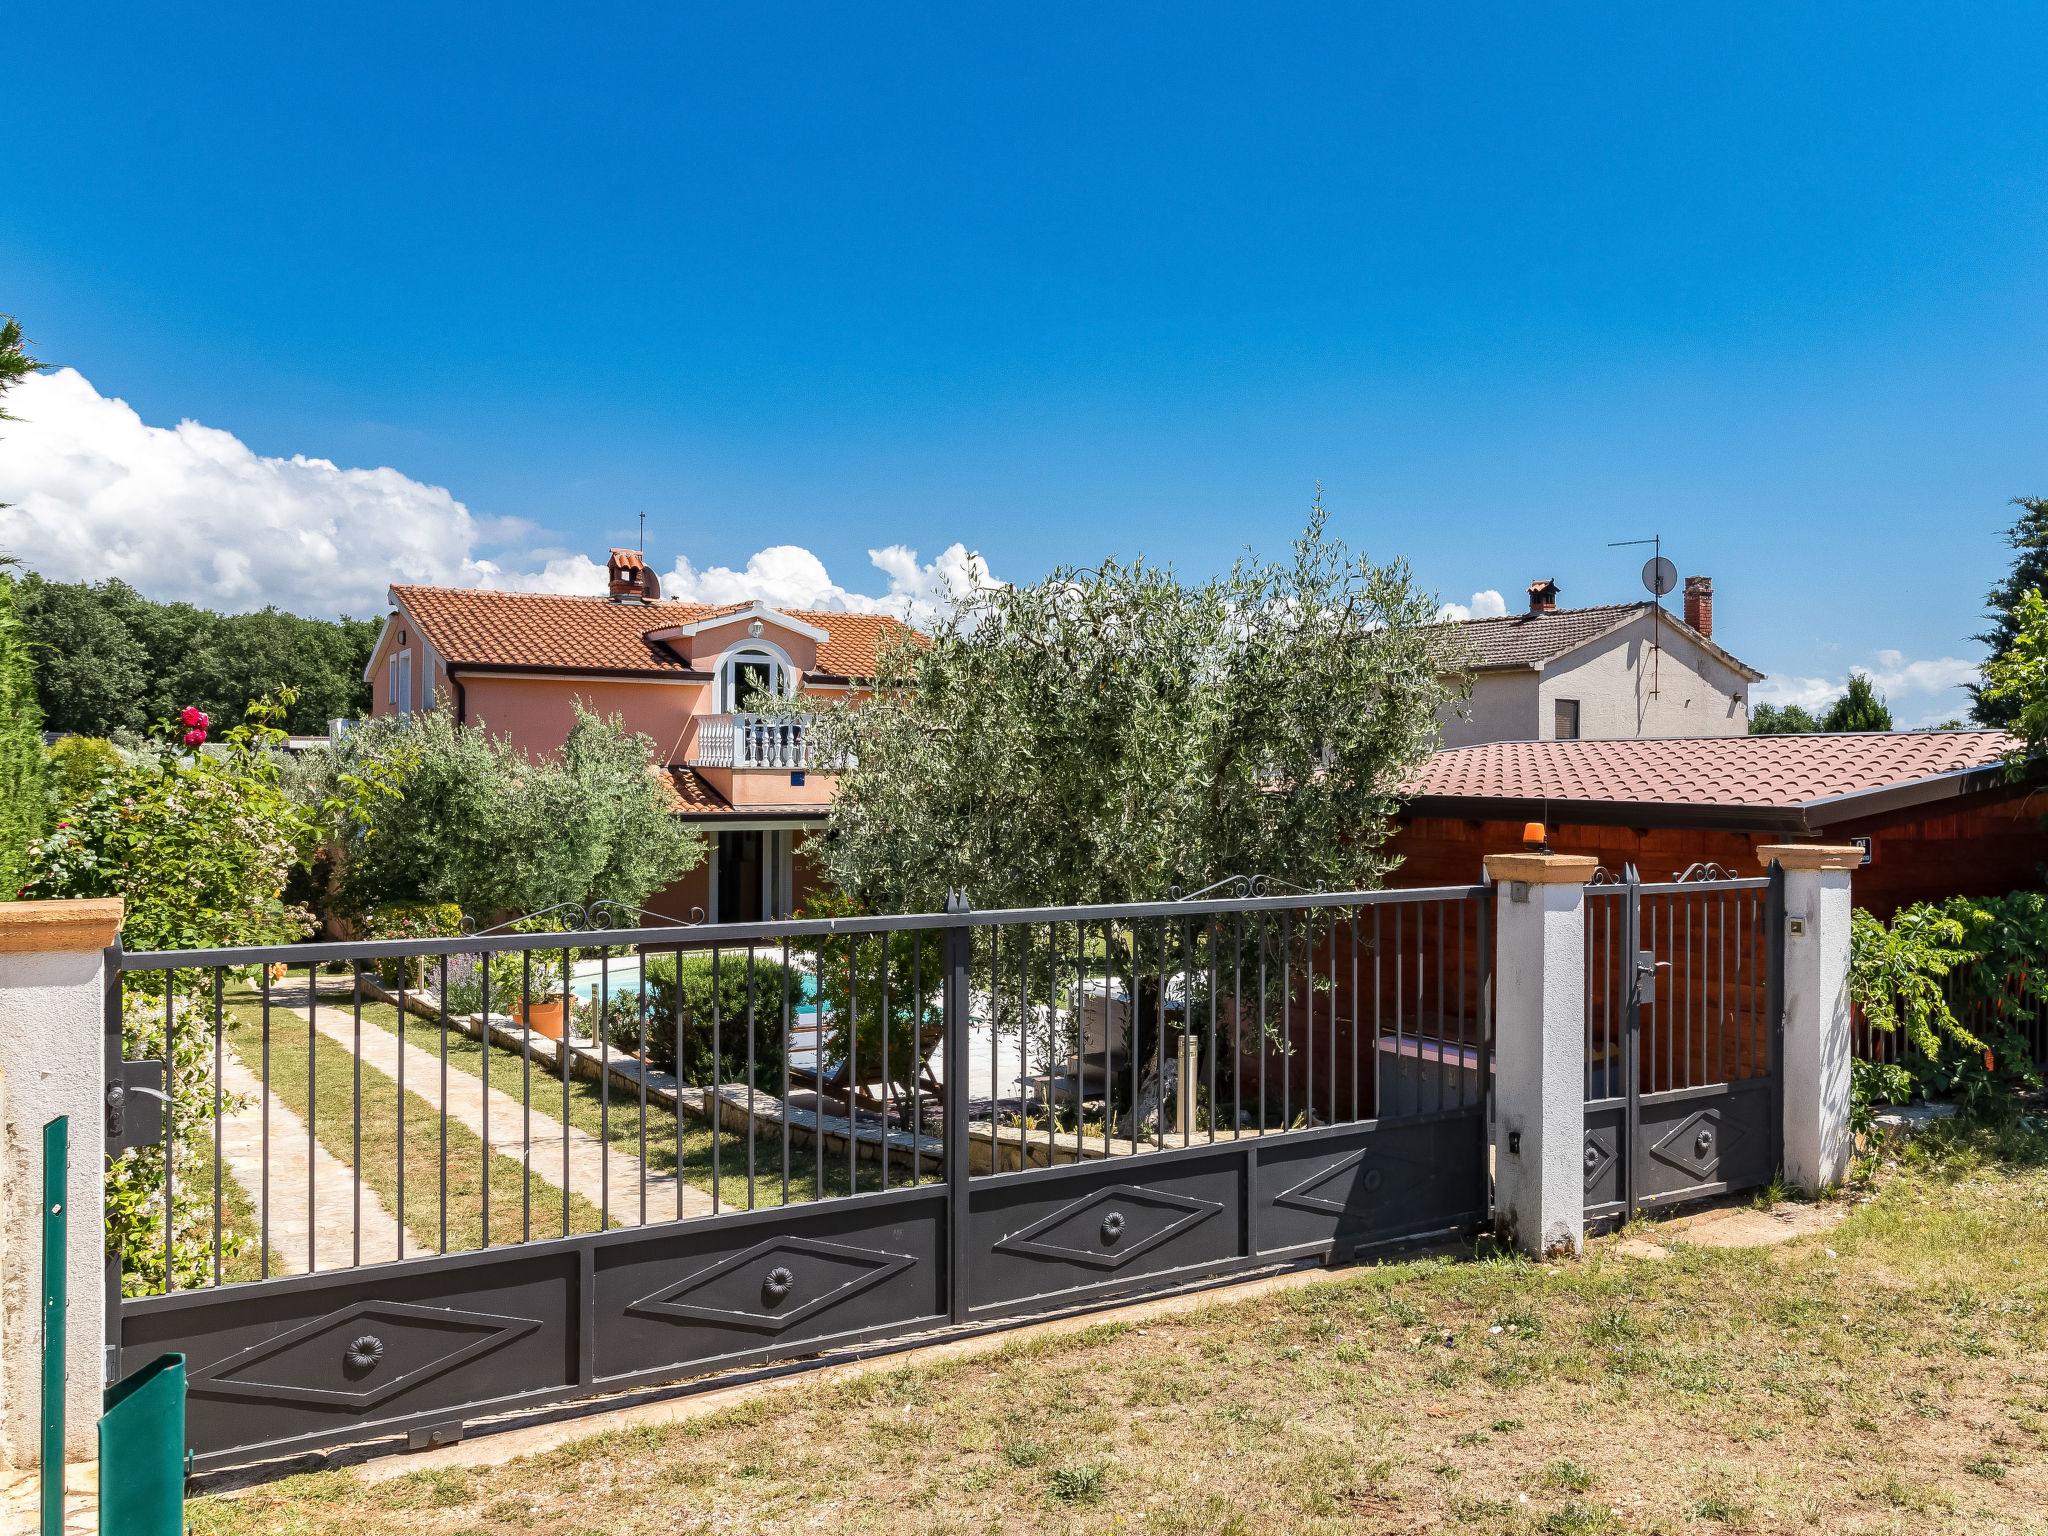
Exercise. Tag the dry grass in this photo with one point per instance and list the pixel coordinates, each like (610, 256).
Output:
(1891, 1376)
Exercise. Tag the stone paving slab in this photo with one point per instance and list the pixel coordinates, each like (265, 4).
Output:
(542, 1151)
(331, 1224)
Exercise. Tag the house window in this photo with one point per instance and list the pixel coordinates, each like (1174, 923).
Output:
(401, 683)
(747, 674)
(1565, 722)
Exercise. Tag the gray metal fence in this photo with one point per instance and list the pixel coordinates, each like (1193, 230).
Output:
(388, 1201)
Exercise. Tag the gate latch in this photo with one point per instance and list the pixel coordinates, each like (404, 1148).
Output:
(1648, 965)
(135, 1107)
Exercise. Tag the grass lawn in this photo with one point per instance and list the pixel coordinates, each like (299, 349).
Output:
(1890, 1375)
(377, 1163)
(587, 1113)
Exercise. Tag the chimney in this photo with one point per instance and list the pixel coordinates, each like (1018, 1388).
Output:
(1699, 604)
(630, 578)
(1543, 595)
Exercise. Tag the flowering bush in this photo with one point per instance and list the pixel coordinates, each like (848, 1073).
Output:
(1957, 979)
(198, 844)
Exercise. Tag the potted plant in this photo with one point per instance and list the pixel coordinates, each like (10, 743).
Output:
(548, 1006)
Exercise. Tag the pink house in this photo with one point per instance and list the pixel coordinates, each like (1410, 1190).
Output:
(681, 674)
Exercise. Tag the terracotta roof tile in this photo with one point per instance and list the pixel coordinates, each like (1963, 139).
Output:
(1732, 771)
(1530, 639)
(689, 792)
(480, 627)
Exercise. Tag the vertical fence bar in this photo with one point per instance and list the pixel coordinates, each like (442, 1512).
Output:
(717, 1104)
(750, 1075)
(441, 977)
(312, 1112)
(885, 940)
(170, 1151)
(957, 958)
(562, 1063)
(263, 1260)
(646, 1065)
(1357, 1105)
(1108, 994)
(404, 976)
(1286, 1020)
(785, 1095)
(852, 1065)
(218, 1156)
(604, 1077)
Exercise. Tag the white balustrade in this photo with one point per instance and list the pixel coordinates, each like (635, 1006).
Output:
(752, 741)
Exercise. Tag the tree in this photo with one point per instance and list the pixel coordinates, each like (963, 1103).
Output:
(113, 660)
(1109, 734)
(425, 810)
(1781, 720)
(15, 363)
(1861, 708)
(2028, 537)
(2016, 681)
(23, 806)
(21, 720)
(1112, 735)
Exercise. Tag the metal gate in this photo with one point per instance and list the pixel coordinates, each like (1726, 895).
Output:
(1684, 1006)
(385, 1210)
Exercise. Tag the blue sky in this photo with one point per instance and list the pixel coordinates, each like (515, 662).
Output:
(1058, 282)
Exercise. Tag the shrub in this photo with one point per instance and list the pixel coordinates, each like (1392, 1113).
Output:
(199, 845)
(426, 810)
(687, 984)
(75, 766)
(413, 920)
(22, 808)
(1955, 978)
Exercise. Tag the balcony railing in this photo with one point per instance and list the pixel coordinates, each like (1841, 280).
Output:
(753, 741)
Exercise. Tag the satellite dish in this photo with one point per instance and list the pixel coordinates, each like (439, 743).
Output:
(1660, 575)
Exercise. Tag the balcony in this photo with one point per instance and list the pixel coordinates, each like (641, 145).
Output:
(753, 741)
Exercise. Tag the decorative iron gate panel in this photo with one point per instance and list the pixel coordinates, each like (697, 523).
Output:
(1684, 1001)
(1134, 1099)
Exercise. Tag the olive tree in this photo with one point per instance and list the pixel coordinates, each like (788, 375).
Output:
(1120, 734)
(1116, 733)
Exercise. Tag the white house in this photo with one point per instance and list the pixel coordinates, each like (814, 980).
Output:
(1620, 671)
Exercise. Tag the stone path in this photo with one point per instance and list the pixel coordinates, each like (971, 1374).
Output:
(21, 1500)
(331, 1225)
(543, 1154)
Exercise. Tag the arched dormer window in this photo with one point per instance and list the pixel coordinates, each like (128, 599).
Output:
(753, 669)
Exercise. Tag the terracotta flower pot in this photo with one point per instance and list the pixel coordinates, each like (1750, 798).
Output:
(547, 1018)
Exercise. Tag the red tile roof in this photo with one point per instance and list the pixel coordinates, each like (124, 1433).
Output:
(690, 794)
(480, 627)
(1733, 772)
(1530, 639)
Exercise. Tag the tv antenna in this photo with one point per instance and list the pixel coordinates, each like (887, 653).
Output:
(643, 533)
(1660, 577)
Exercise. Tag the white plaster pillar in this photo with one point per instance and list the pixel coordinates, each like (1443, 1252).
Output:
(1816, 1045)
(1539, 1050)
(52, 1062)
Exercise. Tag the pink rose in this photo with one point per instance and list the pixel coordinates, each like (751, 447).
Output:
(195, 738)
(193, 718)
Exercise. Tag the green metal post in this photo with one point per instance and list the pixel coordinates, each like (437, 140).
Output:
(142, 1452)
(56, 1167)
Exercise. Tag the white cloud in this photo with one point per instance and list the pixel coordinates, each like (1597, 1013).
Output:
(790, 576)
(1924, 692)
(1488, 604)
(192, 512)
